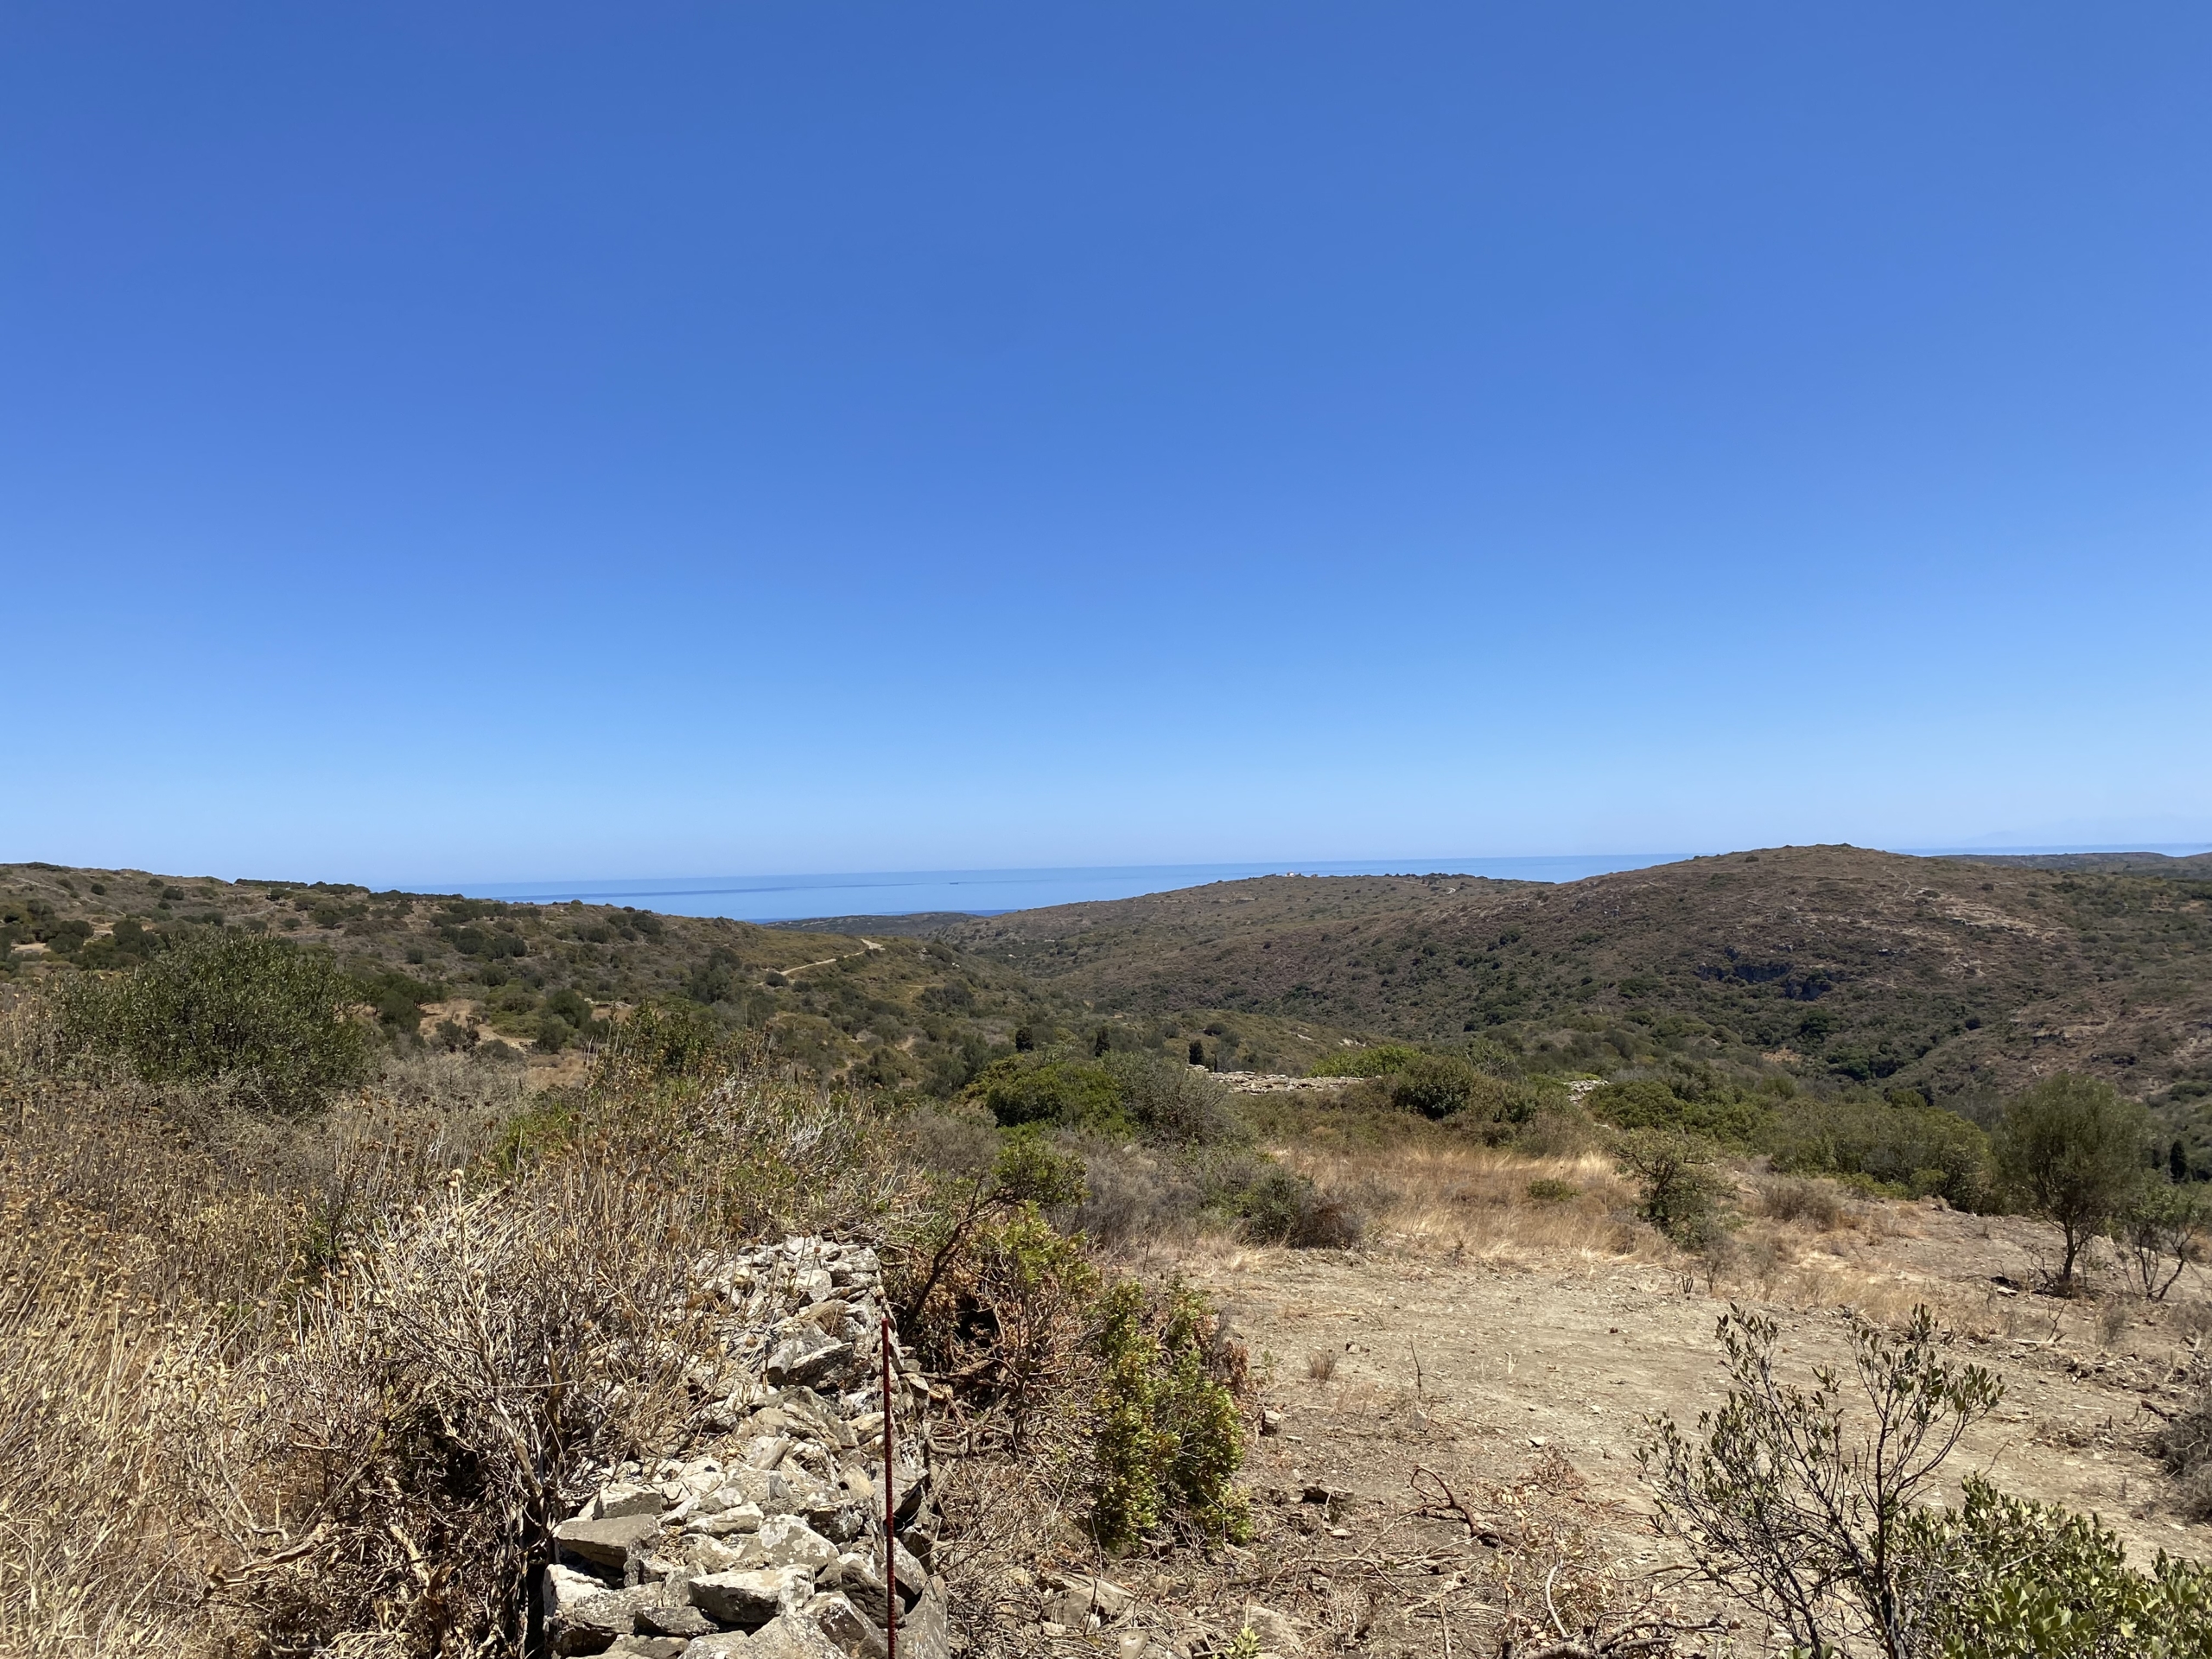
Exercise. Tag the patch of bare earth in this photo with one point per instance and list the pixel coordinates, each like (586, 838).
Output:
(1459, 1399)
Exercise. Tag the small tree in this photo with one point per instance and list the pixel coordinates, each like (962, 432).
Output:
(1791, 1514)
(2072, 1149)
(2160, 1231)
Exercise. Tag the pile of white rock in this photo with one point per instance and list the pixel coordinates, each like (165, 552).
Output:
(766, 1539)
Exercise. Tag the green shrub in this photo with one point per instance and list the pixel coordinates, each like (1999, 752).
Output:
(1681, 1195)
(1819, 1517)
(1277, 1206)
(1379, 1061)
(1549, 1190)
(1020, 1090)
(1442, 1085)
(2003, 1578)
(1165, 1438)
(1917, 1150)
(258, 1013)
(1649, 1104)
(1170, 1105)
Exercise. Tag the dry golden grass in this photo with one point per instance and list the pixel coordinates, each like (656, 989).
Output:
(1474, 1201)
(266, 1387)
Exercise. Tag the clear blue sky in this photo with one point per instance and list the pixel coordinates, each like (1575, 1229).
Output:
(447, 442)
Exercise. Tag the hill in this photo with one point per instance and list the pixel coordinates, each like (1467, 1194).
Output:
(1961, 979)
(896, 1010)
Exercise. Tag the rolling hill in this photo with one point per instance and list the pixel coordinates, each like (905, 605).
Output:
(893, 1009)
(1960, 978)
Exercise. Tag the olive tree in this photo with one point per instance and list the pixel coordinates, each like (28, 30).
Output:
(2071, 1150)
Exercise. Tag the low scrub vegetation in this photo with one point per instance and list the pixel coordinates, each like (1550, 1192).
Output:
(1820, 1520)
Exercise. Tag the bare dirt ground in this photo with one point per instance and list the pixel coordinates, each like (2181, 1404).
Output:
(1460, 1400)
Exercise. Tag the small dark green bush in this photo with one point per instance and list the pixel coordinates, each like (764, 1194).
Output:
(1649, 1104)
(259, 1013)
(1280, 1206)
(1682, 1196)
(1549, 1190)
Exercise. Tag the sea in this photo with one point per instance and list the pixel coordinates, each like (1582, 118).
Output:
(993, 893)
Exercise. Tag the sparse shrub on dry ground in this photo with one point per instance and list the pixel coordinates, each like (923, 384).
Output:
(1811, 1507)
(1680, 1192)
(1817, 1204)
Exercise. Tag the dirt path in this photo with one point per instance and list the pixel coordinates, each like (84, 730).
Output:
(868, 944)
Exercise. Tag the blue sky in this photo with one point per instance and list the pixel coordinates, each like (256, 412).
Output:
(445, 443)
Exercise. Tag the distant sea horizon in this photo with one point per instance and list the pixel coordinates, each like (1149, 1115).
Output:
(995, 892)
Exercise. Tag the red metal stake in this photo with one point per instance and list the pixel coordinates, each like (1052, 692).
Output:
(890, 1513)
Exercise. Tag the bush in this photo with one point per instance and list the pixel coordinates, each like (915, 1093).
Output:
(270, 1019)
(1681, 1195)
(2185, 1444)
(1170, 1105)
(1382, 1060)
(2071, 1150)
(1913, 1149)
(1816, 1202)
(2160, 1231)
(1078, 1094)
(1280, 1206)
(2002, 1578)
(1649, 1104)
(1167, 1439)
(1439, 1085)
(1548, 1190)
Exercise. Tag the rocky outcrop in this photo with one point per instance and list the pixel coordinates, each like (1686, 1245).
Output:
(764, 1539)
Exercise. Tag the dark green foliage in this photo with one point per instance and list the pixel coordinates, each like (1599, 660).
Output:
(718, 979)
(1549, 1190)
(1074, 1093)
(1170, 1105)
(1915, 1149)
(2003, 1578)
(257, 1012)
(397, 998)
(1378, 1061)
(492, 945)
(1649, 1104)
(1681, 1194)
(1123, 1094)
(1167, 1439)
(1277, 1206)
(2070, 1149)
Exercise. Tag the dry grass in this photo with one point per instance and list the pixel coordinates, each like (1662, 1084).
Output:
(268, 1387)
(1474, 1201)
